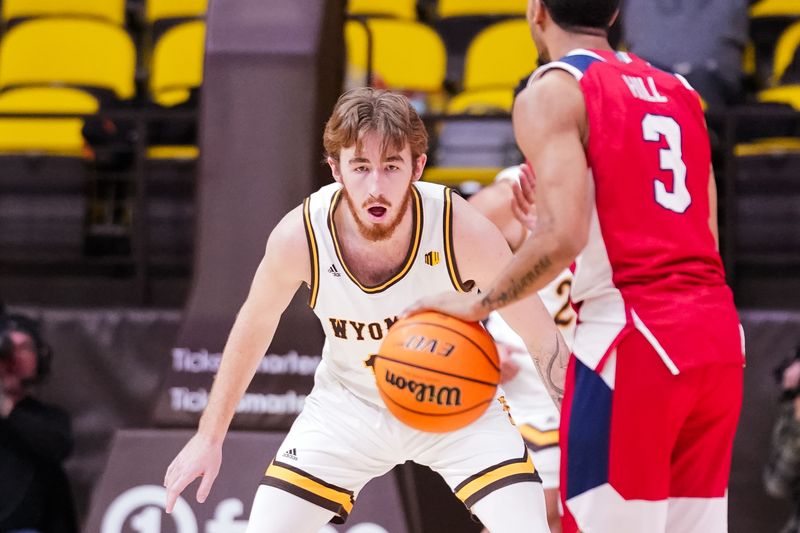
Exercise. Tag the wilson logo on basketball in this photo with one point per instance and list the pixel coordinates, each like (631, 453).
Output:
(420, 343)
(432, 258)
(426, 393)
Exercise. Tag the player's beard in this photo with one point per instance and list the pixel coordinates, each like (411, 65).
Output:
(377, 232)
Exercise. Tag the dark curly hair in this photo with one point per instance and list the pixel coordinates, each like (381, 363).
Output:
(582, 13)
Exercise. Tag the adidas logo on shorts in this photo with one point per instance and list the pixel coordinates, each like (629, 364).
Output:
(291, 453)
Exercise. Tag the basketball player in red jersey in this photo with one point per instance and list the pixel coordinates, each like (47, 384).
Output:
(625, 189)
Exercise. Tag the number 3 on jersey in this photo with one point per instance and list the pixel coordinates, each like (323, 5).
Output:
(671, 158)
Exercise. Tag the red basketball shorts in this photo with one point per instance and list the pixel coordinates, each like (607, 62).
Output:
(646, 451)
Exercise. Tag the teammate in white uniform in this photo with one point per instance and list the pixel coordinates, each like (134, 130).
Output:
(368, 246)
(533, 410)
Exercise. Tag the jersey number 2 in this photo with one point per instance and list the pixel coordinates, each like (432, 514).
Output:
(671, 159)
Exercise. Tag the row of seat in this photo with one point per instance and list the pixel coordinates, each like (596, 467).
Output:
(773, 15)
(72, 65)
(109, 10)
(406, 55)
(410, 56)
(407, 9)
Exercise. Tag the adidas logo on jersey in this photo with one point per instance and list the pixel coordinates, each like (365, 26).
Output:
(334, 271)
(291, 453)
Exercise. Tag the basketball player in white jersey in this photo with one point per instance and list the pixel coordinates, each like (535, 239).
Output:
(534, 412)
(368, 246)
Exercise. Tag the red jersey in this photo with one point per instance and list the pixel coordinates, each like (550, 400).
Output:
(651, 263)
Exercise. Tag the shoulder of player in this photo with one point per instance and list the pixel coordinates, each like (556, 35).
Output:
(493, 201)
(471, 227)
(478, 244)
(499, 192)
(555, 96)
(288, 237)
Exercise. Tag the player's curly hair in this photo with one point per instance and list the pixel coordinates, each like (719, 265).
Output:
(364, 110)
(575, 14)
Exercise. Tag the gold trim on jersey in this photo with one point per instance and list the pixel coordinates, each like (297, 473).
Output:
(496, 477)
(416, 221)
(313, 254)
(538, 440)
(449, 250)
(312, 489)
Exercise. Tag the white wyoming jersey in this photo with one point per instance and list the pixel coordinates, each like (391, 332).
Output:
(356, 317)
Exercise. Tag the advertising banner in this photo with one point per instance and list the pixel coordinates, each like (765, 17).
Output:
(130, 497)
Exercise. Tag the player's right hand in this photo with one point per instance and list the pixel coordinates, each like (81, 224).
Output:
(201, 457)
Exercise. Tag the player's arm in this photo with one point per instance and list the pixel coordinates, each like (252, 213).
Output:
(494, 202)
(712, 206)
(272, 289)
(480, 251)
(550, 126)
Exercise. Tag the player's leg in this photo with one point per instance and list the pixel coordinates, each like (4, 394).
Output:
(537, 419)
(552, 508)
(512, 509)
(701, 462)
(297, 515)
(481, 460)
(620, 431)
(334, 448)
(542, 442)
(568, 524)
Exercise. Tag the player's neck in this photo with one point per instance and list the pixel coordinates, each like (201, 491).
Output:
(564, 42)
(371, 258)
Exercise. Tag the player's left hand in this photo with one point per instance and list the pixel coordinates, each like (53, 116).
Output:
(508, 367)
(523, 204)
(466, 306)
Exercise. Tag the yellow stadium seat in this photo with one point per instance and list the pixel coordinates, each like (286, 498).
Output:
(171, 9)
(76, 52)
(182, 152)
(402, 9)
(785, 51)
(500, 56)
(775, 8)
(784, 94)
(109, 10)
(768, 146)
(481, 101)
(177, 65)
(47, 136)
(453, 176)
(497, 59)
(749, 59)
(405, 55)
(468, 8)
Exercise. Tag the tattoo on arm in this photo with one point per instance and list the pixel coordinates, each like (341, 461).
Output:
(518, 287)
(556, 359)
(552, 370)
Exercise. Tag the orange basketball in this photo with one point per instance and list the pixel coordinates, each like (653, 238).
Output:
(435, 372)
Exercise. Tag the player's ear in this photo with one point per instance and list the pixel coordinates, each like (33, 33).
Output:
(335, 170)
(613, 18)
(419, 166)
(536, 11)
